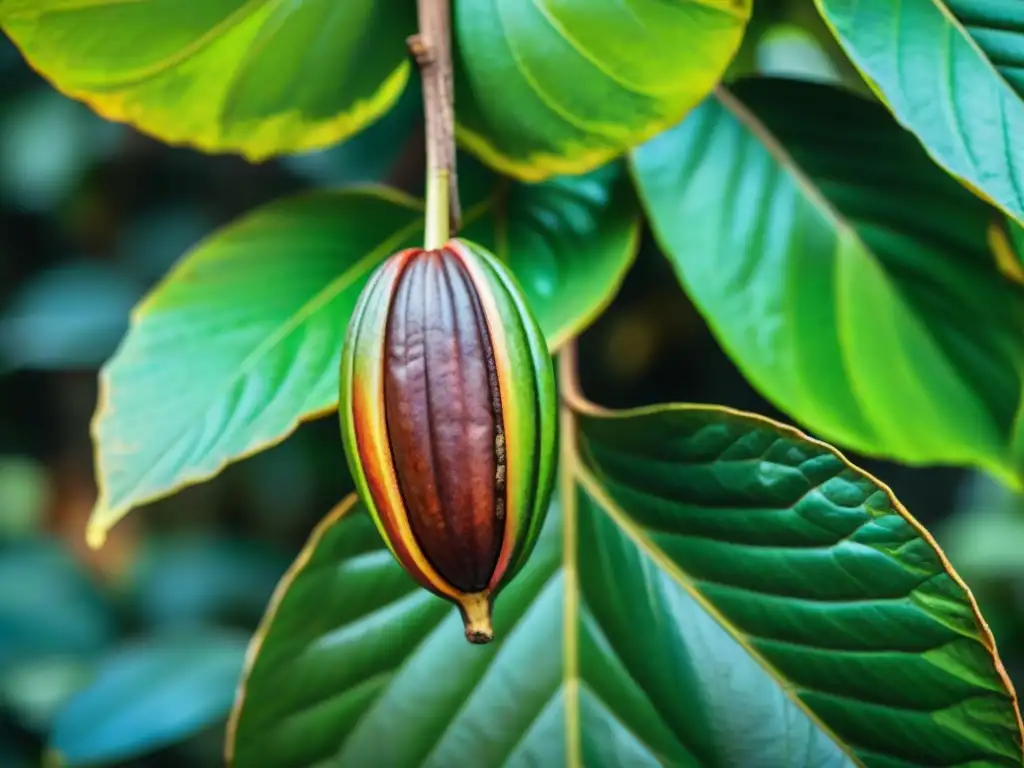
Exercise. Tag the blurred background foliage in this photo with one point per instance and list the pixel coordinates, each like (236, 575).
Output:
(130, 655)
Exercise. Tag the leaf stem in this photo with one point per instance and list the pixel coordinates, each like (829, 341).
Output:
(432, 49)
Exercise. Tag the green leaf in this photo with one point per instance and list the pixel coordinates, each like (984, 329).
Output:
(569, 241)
(549, 88)
(847, 276)
(255, 76)
(148, 695)
(543, 88)
(242, 339)
(950, 70)
(48, 605)
(715, 589)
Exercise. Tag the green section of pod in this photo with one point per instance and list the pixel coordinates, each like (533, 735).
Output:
(533, 402)
(370, 314)
(526, 442)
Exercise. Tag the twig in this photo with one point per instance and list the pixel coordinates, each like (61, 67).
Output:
(432, 48)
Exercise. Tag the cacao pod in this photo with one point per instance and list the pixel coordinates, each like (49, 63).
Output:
(449, 417)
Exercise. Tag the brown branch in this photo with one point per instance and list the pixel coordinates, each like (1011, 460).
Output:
(432, 49)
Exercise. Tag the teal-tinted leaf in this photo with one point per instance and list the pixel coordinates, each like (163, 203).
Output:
(789, 50)
(193, 580)
(48, 605)
(242, 340)
(562, 87)
(714, 589)
(847, 276)
(148, 695)
(952, 71)
(811, 615)
(255, 76)
(35, 690)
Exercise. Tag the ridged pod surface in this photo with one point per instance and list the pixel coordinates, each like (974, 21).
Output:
(449, 418)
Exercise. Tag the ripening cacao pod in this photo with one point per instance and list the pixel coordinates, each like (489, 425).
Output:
(449, 417)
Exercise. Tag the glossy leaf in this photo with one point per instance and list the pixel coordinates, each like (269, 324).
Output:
(255, 76)
(951, 71)
(148, 695)
(562, 87)
(846, 275)
(242, 340)
(238, 343)
(569, 241)
(715, 589)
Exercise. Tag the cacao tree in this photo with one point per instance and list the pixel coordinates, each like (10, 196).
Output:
(680, 584)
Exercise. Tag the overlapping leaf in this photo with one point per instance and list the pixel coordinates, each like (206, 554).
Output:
(242, 339)
(561, 87)
(952, 71)
(715, 590)
(543, 87)
(846, 275)
(147, 695)
(256, 76)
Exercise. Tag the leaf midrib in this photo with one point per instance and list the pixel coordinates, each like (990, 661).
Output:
(225, 26)
(594, 489)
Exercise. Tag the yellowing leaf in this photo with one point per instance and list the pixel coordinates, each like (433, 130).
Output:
(256, 76)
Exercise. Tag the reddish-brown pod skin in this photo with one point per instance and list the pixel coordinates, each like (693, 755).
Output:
(444, 419)
(448, 412)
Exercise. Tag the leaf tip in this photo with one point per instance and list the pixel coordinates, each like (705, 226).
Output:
(95, 534)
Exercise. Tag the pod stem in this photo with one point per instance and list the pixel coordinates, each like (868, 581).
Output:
(476, 615)
(432, 49)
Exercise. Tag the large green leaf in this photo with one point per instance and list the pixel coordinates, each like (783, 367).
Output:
(846, 275)
(715, 589)
(561, 86)
(952, 71)
(242, 339)
(256, 76)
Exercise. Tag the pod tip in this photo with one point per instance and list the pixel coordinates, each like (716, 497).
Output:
(476, 615)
